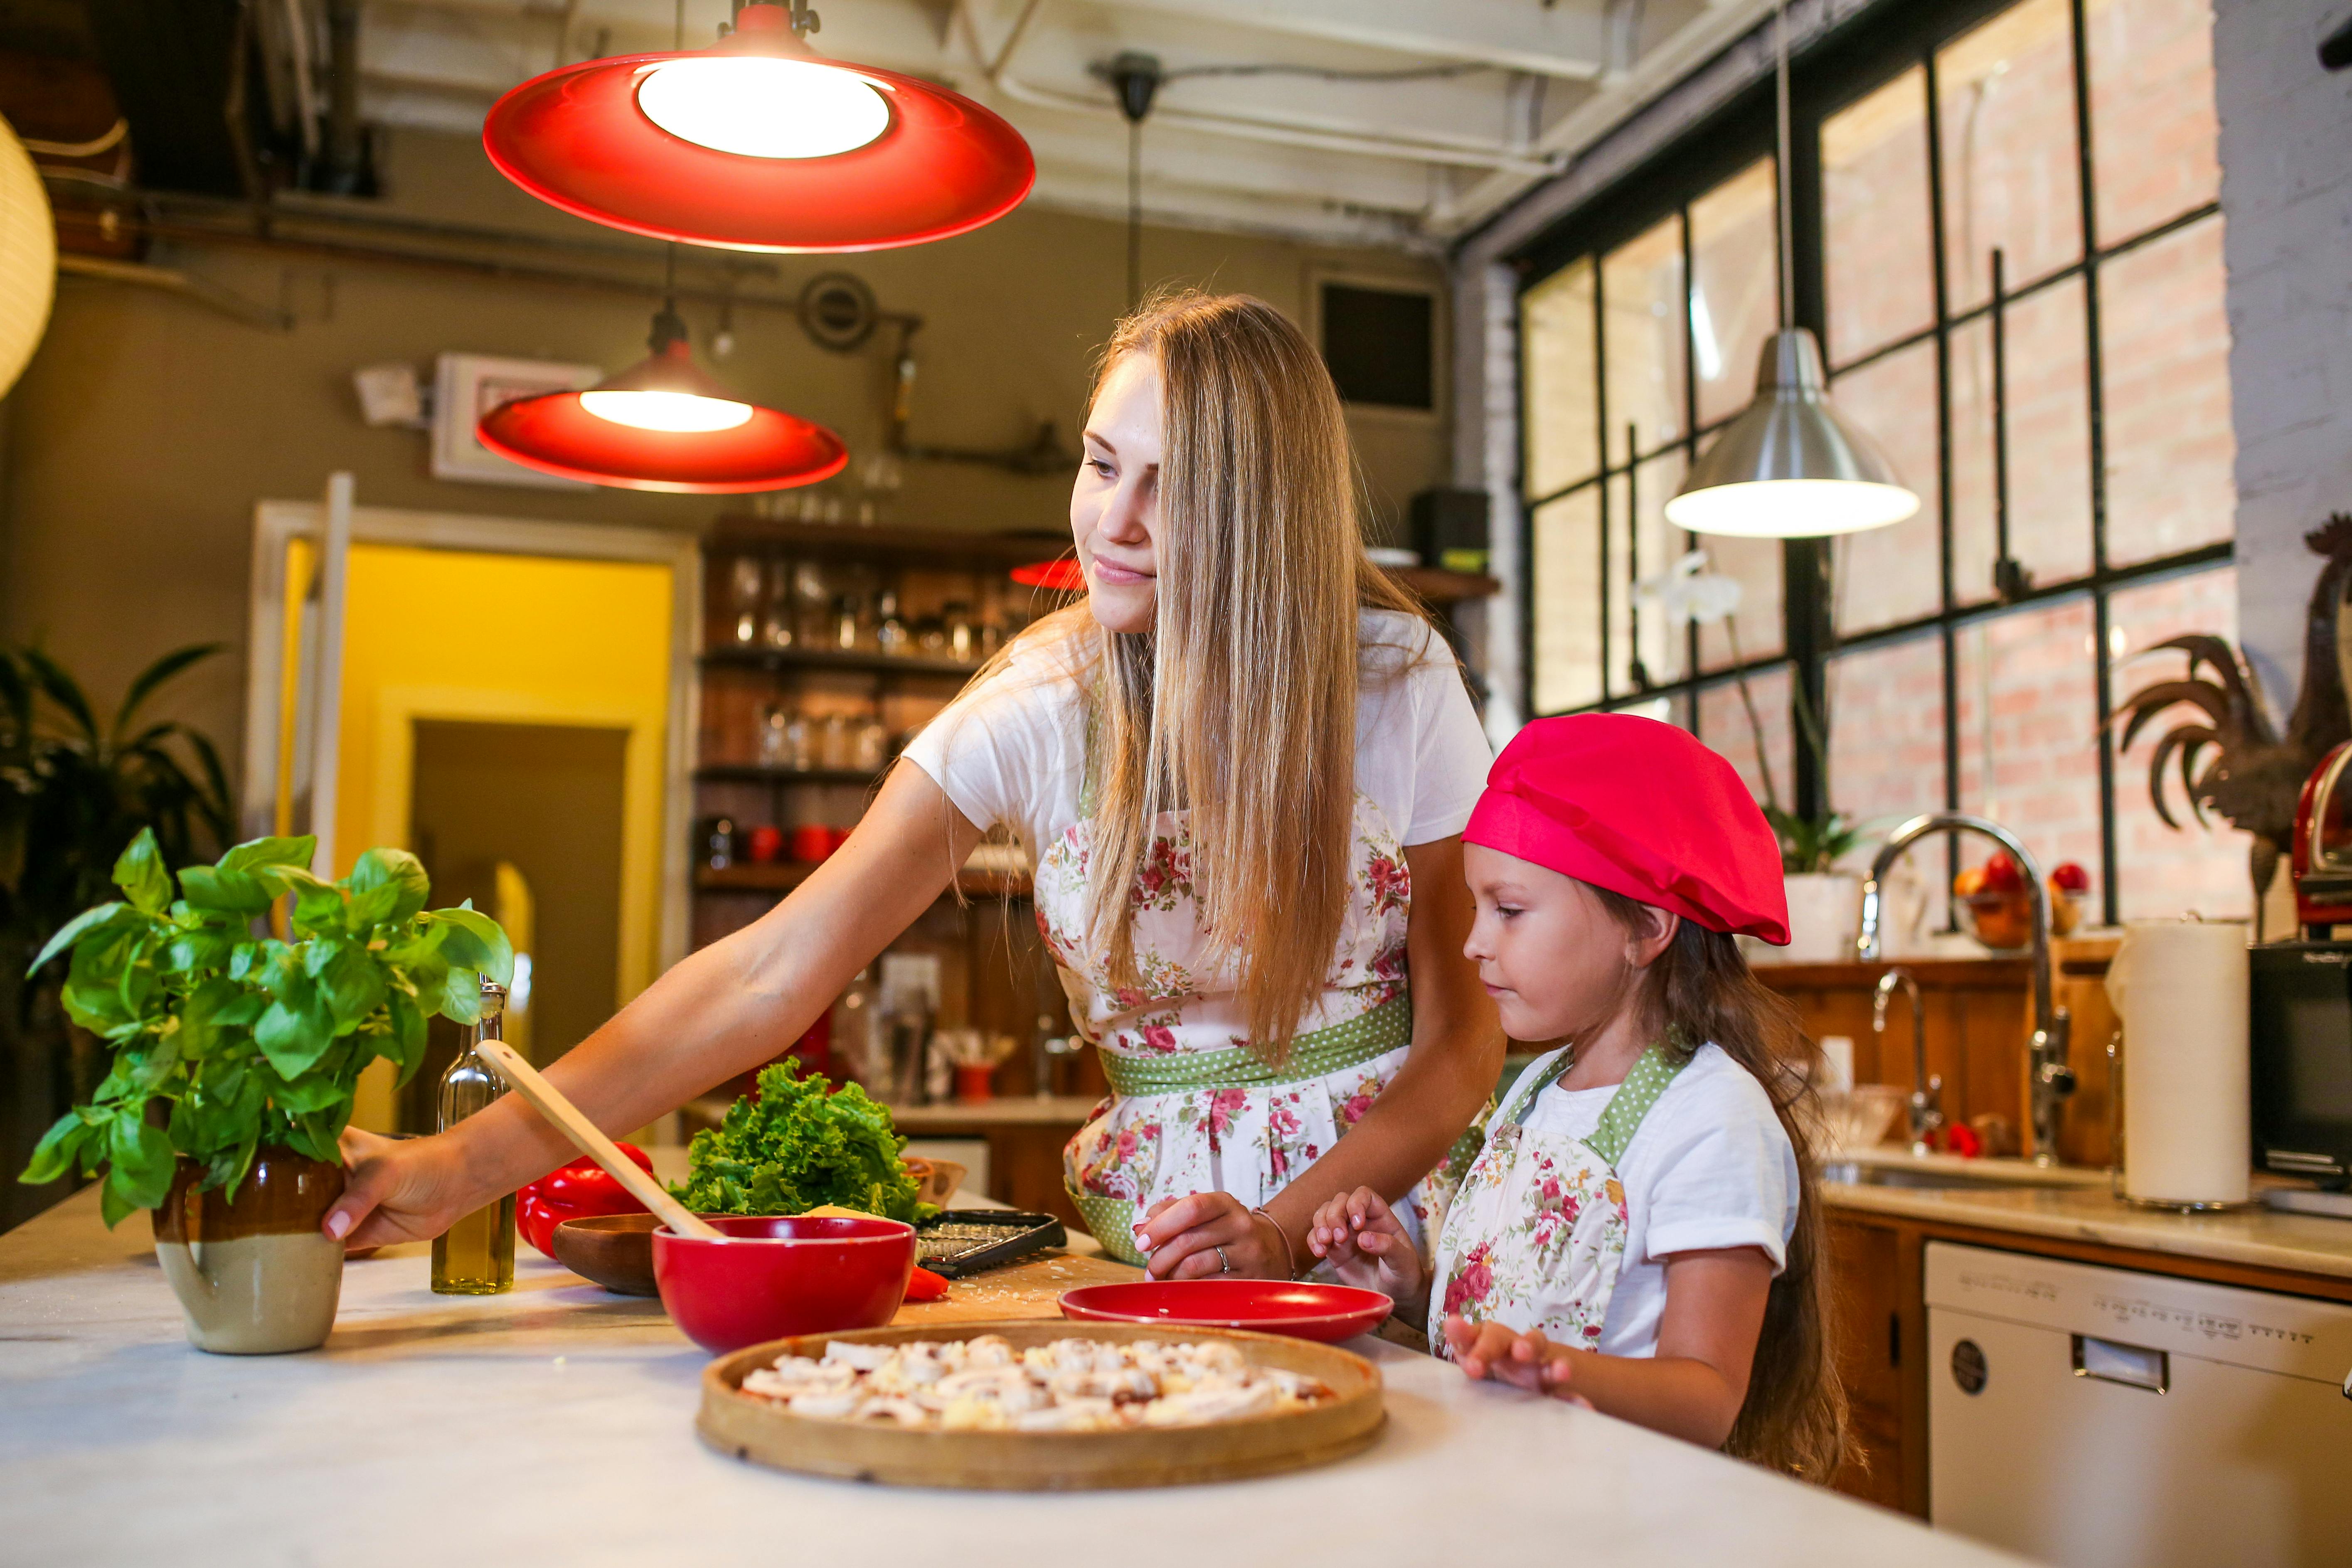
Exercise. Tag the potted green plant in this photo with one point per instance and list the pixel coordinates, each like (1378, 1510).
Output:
(236, 1053)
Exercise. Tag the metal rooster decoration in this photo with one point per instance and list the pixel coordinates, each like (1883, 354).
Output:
(2254, 775)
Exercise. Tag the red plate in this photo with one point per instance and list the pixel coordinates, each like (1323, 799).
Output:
(1303, 1312)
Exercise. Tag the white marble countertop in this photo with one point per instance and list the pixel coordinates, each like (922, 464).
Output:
(555, 1425)
(2075, 1204)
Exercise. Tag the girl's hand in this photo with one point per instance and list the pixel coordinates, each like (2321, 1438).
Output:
(1505, 1355)
(1366, 1245)
(400, 1189)
(1180, 1236)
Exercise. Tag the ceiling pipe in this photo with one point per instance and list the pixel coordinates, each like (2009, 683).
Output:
(998, 74)
(346, 171)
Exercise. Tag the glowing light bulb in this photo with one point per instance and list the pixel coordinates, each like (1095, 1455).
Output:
(681, 412)
(1790, 509)
(763, 108)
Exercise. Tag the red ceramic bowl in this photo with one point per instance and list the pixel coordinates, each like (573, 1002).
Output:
(1302, 1310)
(771, 1277)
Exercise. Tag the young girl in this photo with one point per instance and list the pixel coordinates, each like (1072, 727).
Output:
(1647, 1191)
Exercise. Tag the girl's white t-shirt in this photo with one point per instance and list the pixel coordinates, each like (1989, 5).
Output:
(1012, 750)
(1709, 1167)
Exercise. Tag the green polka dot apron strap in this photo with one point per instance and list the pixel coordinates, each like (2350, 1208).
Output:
(1319, 1054)
(1536, 1236)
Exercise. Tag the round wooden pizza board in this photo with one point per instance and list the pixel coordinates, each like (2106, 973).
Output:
(766, 1433)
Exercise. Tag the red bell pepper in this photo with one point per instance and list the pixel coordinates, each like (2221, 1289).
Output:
(923, 1285)
(577, 1191)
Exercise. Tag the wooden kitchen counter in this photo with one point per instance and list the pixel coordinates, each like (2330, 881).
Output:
(555, 1425)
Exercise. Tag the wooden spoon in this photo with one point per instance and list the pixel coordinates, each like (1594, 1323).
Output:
(548, 1100)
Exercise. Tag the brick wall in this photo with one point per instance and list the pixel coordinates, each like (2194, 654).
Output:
(2286, 195)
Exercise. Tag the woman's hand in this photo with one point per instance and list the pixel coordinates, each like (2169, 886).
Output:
(1367, 1245)
(1180, 1237)
(1505, 1355)
(401, 1189)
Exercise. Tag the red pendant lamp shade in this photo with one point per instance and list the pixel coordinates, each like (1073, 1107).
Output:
(664, 424)
(1064, 576)
(769, 146)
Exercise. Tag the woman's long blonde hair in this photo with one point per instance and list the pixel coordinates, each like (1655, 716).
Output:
(1239, 705)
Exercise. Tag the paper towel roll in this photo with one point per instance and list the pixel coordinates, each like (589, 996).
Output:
(2181, 988)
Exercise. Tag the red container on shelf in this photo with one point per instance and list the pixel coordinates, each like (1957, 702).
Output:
(767, 845)
(812, 844)
(974, 1081)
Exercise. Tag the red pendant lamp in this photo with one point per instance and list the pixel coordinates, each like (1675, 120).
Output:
(664, 424)
(758, 144)
(1064, 576)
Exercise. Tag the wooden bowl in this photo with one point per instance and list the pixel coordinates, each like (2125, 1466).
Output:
(771, 1276)
(765, 1433)
(615, 1250)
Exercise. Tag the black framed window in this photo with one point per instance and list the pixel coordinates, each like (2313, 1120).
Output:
(2009, 240)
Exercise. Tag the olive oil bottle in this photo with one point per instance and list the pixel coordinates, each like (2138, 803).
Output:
(475, 1257)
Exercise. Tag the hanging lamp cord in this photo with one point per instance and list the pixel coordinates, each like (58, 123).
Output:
(1787, 221)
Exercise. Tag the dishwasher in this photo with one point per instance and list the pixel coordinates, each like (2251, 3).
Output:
(2104, 1418)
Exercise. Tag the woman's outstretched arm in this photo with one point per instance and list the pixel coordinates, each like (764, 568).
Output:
(724, 1010)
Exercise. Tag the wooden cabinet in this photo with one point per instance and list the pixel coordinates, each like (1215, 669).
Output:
(1879, 1330)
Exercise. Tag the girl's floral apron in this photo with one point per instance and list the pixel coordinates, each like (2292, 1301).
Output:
(1535, 1236)
(1193, 1109)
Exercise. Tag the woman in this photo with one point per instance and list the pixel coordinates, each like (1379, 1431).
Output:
(1249, 734)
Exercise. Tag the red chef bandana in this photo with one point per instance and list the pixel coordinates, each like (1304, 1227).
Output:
(1641, 808)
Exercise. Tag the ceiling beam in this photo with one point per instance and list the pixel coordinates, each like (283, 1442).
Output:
(1562, 40)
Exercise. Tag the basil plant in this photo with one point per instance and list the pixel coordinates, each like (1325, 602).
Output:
(226, 1038)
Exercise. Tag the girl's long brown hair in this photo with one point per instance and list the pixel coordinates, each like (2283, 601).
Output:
(1700, 989)
(1240, 704)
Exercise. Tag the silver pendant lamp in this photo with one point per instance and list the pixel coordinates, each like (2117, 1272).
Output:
(1789, 466)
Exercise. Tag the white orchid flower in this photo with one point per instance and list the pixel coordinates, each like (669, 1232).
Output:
(1688, 591)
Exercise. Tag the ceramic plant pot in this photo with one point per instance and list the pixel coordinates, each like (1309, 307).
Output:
(256, 1276)
(1825, 918)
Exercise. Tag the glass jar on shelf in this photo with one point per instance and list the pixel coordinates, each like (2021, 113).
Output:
(890, 633)
(812, 606)
(746, 580)
(962, 636)
(849, 622)
(837, 747)
(775, 726)
(872, 744)
(777, 627)
(931, 637)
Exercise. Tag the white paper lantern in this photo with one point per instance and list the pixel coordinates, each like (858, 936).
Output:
(28, 257)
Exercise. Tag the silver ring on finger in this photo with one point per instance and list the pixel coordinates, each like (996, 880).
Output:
(1224, 1264)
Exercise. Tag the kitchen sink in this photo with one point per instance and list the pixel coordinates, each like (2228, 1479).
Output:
(1944, 1173)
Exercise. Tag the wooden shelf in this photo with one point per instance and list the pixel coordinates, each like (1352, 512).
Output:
(780, 659)
(783, 875)
(1438, 586)
(762, 773)
(952, 550)
(938, 549)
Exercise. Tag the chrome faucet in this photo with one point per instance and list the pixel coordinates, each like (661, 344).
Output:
(1927, 1092)
(2049, 1080)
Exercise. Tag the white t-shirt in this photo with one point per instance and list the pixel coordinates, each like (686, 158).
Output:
(1709, 1167)
(1012, 750)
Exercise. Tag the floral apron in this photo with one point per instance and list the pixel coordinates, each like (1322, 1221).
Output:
(1193, 1108)
(1535, 1236)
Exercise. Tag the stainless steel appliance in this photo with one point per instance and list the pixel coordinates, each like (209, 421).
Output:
(2097, 1418)
(2302, 1040)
